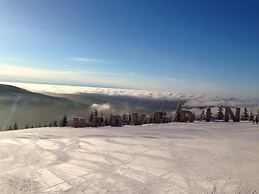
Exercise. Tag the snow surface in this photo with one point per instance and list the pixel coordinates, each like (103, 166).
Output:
(170, 158)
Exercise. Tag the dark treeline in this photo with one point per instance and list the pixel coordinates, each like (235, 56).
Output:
(97, 119)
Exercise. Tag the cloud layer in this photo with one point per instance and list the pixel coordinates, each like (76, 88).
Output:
(101, 107)
(190, 101)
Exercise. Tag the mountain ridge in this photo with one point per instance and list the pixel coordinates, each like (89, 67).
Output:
(24, 107)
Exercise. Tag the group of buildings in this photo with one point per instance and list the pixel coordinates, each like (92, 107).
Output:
(181, 115)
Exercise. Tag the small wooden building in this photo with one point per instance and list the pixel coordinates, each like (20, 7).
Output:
(116, 121)
(79, 122)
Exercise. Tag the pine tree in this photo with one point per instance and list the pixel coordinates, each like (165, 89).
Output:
(129, 119)
(170, 119)
(245, 115)
(15, 127)
(91, 117)
(178, 113)
(95, 113)
(50, 124)
(151, 120)
(220, 114)
(251, 116)
(106, 122)
(110, 120)
(55, 123)
(125, 119)
(9, 128)
(202, 116)
(63, 122)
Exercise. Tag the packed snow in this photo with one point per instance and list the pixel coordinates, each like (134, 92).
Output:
(169, 158)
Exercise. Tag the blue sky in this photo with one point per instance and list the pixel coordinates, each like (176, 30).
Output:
(196, 46)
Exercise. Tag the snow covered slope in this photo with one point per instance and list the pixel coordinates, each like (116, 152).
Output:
(171, 158)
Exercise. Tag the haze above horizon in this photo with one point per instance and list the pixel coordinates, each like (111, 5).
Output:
(203, 47)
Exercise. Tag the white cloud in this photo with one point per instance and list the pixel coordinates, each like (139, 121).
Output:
(101, 107)
(64, 89)
(18, 73)
(190, 100)
(89, 60)
(29, 73)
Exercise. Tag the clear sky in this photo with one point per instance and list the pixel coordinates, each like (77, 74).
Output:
(191, 46)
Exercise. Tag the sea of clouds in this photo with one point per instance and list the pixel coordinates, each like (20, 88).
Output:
(190, 100)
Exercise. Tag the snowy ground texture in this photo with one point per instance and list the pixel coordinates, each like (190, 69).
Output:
(170, 158)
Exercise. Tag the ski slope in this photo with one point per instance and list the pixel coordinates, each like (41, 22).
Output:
(170, 158)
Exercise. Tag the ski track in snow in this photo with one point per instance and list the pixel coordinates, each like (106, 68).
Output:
(194, 158)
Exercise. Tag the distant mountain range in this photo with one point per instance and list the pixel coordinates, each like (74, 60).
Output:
(25, 107)
(33, 109)
(51, 102)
